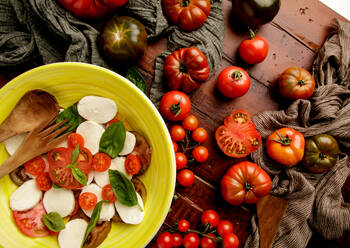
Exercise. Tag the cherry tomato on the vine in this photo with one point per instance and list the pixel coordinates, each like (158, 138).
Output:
(183, 225)
(208, 242)
(185, 177)
(175, 146)
(200, 135)
(191, 240)
(200, 154)
(233, 82)
(254, 49)
(225, 226)
(175, 105)
(177, 240)
(210, 216)
(190, 122)
(165, 240)
(177, 133)
(230, 240)
(181, 160)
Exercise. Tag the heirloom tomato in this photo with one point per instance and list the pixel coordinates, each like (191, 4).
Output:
(233, 82)
(253, 50)
(286, 146)
(123, 40)
(188, 14)
(245, 182)
(238, 136)
(321, 153)
(91, 8)
(296, 83)
(175, 105)
(186, 69)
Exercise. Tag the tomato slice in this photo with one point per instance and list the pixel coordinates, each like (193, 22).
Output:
(35, 166)
(43, 181)
(238, 136)
(101, 162)
(108, 194)
(132, 164)
(87, 200)
(30, 222)
(75, 139)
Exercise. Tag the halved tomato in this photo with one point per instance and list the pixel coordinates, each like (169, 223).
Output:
(62, 176)
(238, 136)
(30, 222)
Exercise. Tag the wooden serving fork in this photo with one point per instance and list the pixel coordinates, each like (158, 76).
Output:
(40, 140)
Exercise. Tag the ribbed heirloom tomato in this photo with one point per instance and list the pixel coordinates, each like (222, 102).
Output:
(286, 146)
(245, 182)
(188, 14)
(186, 69)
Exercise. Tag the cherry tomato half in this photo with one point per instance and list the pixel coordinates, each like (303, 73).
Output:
(35, 166)
(181, 160)
(75, 139)
(190, 122)
(200, 154)
(101, 162)
(132, 164)
(185, 178)
(108, 193)
(43, 181)
(183, 225)
(177, 133)
(87, 200)
(165, 240)
(254, 49)
(233, 82)
(210, 217)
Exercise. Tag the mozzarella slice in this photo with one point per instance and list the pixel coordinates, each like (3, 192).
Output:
(131, 215)
(129, 144)
(107, 211)
(90, 178)
(25, 197)
(14, 142)
(102, 178)
(73, 235)
(97, 109)
(91, 132)
(59, 200)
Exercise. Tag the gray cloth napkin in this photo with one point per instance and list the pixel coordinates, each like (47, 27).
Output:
(43, 29)
(315, 201)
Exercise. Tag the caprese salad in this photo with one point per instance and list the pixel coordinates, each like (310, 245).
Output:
(78, 189)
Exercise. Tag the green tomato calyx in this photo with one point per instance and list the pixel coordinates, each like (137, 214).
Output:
(236, 75)
(175, 109)
(283, 140)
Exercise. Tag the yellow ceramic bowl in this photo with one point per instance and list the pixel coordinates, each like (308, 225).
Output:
(69, 82)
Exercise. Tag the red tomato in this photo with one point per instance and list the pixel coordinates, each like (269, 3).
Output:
(190, 122)
(59, 158)
(186, 69)
(233, 82)
(30, 222)
(177, 240)
(245, 182)
(108, 193)
(35, 166)
(181, 160)
(191, 240)
(238, 137)
(101, 162)
(185, 177)
(132, 164)
(296, 83)
(286, 146)
(114, 120)
(200, 135)
(75, 139)
(225, 226)
(189, 15)
(175, 146)
(165, 240)
(208, 242)
(253, 50)
(230, 240)
(175, 105)
(177, 133)
(183, 225)
(210, 217)
(91, 8)
(200, 154)
(43, 181)
(87, 200)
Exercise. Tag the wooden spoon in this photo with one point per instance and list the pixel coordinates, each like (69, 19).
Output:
(32, 109)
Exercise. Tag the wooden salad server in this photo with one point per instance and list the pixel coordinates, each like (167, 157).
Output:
(32, 109)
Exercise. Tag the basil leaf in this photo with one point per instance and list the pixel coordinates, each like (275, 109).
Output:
(75, 154)
(136, 78)
(72, 165)
(54, 221)
(73, 117)
(122, 188)
(55, 186)
(79, 175)
(113, 138)
(95, 216)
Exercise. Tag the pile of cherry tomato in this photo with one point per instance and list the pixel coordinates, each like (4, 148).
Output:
(213, 231)
(188, 141)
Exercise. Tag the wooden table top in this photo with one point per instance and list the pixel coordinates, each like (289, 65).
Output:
(294, 37)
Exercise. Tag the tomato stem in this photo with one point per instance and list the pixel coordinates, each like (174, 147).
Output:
(185, 3)
(251, 33)
(322, 155)
(236, 75)
(175, 109)
(183, 68)
(283, 140)
(247, 186)
(301, 82)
